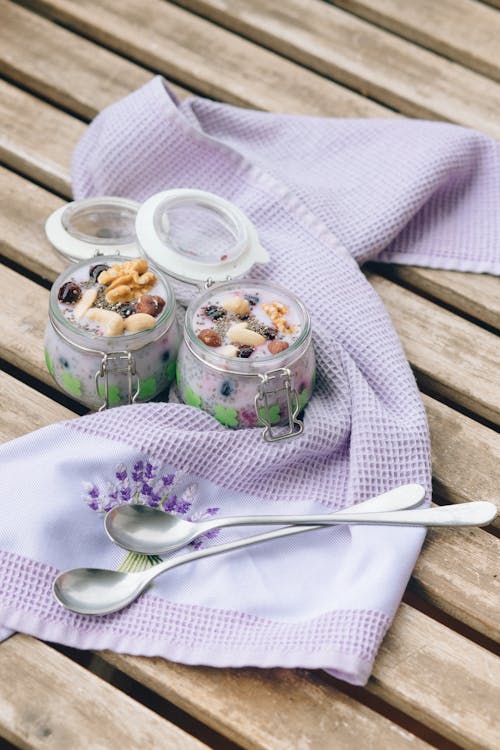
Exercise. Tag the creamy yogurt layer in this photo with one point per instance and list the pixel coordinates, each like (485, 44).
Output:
(112, 334)
(112, 300)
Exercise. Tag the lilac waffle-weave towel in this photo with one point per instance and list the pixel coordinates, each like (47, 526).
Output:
(325, 195)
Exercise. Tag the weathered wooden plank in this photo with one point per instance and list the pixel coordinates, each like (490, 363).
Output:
(465, 456)
(441, 679)
(272, 709)
(23, 325)
(205, 57)
(23, 409)
(48, 701)
(466, 591)
(451, 356)
(478, 295)
(36, 138)
(63, 67)
(360, 55)
(462, 30)
(423, 668)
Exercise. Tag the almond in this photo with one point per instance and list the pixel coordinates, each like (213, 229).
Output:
(237, 305)
(275, 347)
(210, 337)
(241, 334)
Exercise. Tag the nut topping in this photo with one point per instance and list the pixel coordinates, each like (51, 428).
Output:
(275, 347)
(85, 303)
(241, 334)
(139, 322)
(113, 323)
(237, 305)
(210, 337)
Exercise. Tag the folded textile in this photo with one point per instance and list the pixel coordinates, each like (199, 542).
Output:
(325, 196)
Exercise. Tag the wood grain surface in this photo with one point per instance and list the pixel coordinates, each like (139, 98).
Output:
(463, 30)
(48, 701)
(360, 55)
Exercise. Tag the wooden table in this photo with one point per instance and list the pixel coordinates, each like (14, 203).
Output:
(436, 681)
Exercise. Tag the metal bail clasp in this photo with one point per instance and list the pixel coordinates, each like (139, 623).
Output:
(273, 384)
(117, 362)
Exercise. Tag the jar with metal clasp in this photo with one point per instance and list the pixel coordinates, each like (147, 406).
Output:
(246, 356)
(112, 336)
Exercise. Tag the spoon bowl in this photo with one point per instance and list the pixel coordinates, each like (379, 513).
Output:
(92, 591)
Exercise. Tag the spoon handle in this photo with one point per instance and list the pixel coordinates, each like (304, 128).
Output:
(399, 498)
(469, 514)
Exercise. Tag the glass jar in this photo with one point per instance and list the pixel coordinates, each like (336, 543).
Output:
(195, 238)
(269, 385)
(110, 370)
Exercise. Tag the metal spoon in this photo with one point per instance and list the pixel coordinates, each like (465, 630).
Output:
(91, 591)
(139, 528)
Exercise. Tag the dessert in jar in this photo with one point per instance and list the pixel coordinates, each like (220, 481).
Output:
(247, 357)
(112, 336)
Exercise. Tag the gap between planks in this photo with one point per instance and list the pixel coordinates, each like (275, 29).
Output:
(53, 702)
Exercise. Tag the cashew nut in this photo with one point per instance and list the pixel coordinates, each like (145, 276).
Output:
(87, 300)
(139, 322)
(113, 323)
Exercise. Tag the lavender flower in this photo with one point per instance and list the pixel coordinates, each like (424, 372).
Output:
(146, 483)
(121, 472)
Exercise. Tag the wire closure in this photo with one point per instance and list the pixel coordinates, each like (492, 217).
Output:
(272, 384)
(103, 371)
(129, 368)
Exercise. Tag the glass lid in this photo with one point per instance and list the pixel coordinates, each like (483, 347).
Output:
(108, 221)
(94, 226)
(194, 235)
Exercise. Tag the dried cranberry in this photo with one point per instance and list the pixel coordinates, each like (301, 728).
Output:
(95, 271)
(245, 351)
(160, 304)
(252, 298)
(69, 293)
(214, 312)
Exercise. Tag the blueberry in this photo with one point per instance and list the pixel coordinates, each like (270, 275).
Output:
(270, 332)
(245, 351)
(226, 388)
(165, 356)
(127, 309)
(214, 312)
(252, 298)
(64, 362)
(69, 292)
(94, 271)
